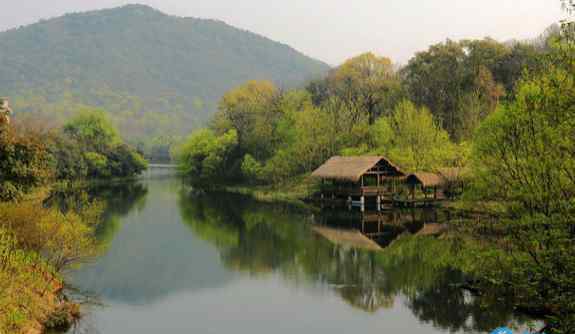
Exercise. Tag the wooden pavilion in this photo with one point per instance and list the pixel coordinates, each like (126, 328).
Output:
(364, 176)
(426, 182)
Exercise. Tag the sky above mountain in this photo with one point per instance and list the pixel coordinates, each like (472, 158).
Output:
(333, 30)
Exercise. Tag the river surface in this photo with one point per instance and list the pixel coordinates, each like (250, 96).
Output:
(173, 262)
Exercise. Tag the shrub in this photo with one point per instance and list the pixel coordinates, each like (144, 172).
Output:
(24, 162)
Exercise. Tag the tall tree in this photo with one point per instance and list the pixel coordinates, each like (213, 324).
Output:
(412, 138)
(249, 110)
(435, 79)
(367, 83)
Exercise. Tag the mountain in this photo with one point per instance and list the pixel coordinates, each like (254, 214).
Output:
(156, 74)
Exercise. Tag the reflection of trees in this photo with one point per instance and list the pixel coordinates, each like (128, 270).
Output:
(451, 308)
(141, 267)
(270, 238)
(117, 199)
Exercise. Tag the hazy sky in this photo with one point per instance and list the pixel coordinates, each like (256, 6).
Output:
(333, 30)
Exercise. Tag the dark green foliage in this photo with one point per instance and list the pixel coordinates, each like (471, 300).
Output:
(157, 74)
(24, 162)
(124, 161)
(69, 158)
(462, 82)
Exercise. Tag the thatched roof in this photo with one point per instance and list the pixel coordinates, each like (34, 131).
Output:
(453, 174)
(425, 179)
(350, 168)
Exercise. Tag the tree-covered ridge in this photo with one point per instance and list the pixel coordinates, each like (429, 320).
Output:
(145, 67)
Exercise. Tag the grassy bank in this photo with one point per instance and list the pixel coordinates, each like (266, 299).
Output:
(294, 190)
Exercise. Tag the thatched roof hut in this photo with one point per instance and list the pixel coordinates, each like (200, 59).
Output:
(351, 169)
(425, 179)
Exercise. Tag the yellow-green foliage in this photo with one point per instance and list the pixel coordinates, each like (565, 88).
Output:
(523, 157)
(411, 138)
(61, 238)
(36, 242)
(25, 281)
(205, 157)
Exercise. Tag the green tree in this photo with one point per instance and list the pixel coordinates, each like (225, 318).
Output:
(92, 128)
(249, 110)
(367, 84)
(413, 139)
(435, 78)
(462, 82)
(90, 146)
(524, 158)
(207, 158)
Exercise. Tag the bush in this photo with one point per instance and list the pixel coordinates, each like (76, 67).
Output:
(97, 165)
(24, 163)
(35, 242)
(23, 281)
(251, 169)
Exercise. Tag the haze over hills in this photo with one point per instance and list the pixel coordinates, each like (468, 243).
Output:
(156, 74)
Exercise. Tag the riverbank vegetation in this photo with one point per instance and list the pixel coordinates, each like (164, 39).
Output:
(86, 147)
(36, 243)
(38, 239)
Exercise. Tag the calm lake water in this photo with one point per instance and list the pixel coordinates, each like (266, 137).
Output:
(177, 263)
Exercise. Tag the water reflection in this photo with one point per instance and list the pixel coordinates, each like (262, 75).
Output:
(171, 251)
(411, 267)
(139, 266)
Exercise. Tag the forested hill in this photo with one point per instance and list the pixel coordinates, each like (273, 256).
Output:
(155, 73)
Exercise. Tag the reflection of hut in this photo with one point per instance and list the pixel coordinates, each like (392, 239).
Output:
(347, 238)
(426, 182)
(372, 176)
